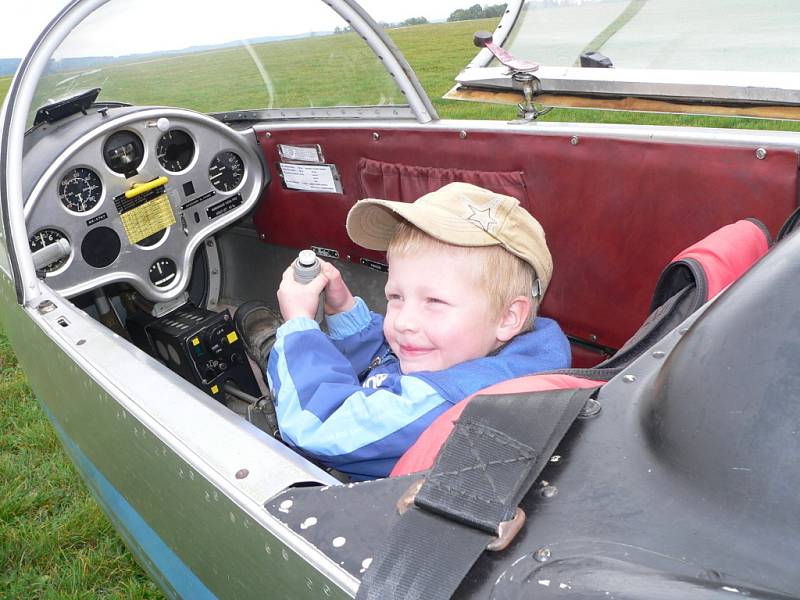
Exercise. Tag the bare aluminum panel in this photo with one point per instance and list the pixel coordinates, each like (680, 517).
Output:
(718, 86)
(141, 434)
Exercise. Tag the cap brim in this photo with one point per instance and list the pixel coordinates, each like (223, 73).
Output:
(371, 223)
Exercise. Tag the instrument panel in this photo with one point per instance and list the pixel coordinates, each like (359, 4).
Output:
(128, 196)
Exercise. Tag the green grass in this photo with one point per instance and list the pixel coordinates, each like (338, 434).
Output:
(54, 540)
(5, 83)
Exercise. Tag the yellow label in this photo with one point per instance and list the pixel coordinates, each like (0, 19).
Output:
(196, 342)
(214, 389)
(147, 219)
(232, 337)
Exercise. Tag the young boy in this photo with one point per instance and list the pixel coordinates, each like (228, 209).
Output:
(467, 270)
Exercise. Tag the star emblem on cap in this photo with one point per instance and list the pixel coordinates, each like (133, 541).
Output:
(482, 218)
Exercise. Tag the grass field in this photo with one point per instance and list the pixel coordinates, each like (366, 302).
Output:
(54, 541)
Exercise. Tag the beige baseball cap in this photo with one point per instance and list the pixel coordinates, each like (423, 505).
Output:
(461, 214)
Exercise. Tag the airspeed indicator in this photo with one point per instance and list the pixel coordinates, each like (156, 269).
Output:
(226, 171)
(80, 189)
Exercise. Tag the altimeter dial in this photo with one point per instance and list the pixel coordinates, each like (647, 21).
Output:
(80, 190)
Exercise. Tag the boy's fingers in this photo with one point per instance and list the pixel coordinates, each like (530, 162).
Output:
(329, 270)
(317, 284)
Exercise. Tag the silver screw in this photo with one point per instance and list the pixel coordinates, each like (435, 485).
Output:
(45, 307)
(242, 473)
(629, 378)
(659, 354)
(549, 491)
(574, 140)
(542, 555)
(376, 136)
(761, 154)
(462, 135)
(590, 409)
(268, 135)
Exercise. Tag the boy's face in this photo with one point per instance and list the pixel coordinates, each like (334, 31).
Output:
(437, 315)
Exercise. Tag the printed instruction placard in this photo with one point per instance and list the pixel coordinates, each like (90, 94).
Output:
(311, 178)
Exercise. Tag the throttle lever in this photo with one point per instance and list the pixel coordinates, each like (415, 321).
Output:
(484, 39)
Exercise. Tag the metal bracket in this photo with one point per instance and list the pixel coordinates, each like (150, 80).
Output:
(531, 87)
(521, 72)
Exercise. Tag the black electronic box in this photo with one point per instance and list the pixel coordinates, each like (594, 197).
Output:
(201, 346)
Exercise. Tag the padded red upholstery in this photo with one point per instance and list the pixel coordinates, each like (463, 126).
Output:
(421, 455)
(721, 266)
(615, 211)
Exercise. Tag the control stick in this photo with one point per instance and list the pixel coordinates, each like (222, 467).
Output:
(306, 267)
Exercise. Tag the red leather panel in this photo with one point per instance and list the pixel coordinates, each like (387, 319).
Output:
(399, 182)
(615, 211)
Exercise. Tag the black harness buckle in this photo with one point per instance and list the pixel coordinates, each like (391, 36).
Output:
(506, 530)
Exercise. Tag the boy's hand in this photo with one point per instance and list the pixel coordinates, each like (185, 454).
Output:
(298, 299)
(337, 295)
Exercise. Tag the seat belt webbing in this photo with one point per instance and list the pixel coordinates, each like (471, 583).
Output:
(495, 453)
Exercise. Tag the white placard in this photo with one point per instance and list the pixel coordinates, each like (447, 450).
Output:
(311, 178)
(304, 153)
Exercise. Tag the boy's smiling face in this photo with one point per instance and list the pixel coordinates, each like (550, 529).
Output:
(437, 314)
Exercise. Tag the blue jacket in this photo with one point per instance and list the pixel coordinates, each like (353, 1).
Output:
(341, 398)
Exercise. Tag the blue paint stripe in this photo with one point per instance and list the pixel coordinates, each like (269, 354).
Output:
(169, 571)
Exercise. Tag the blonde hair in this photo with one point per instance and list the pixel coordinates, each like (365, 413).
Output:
(502, 275)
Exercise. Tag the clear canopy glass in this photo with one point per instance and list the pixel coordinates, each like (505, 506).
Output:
(719, 35)
(212, 57)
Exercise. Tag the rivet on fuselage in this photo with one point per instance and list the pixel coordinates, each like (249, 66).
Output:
(761, 154)
(462, 135)
(629, 378)
(659, 354)
(376, 136)
(242, 473)
(574, 140)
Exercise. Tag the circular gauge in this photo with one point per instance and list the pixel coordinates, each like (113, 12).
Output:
(226, 171)
(80, 189)
(43, 238)
(163, 272)
(175, 150)
(123, 152)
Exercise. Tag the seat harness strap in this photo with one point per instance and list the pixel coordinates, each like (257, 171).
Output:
(469, 500)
